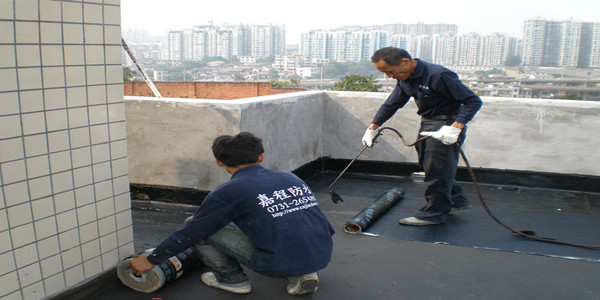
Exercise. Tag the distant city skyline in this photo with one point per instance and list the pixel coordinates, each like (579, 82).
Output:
(158, 16)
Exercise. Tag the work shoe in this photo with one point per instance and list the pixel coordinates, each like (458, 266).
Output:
(453, 209)
(210, 279)
(416, 222)
(304, 284)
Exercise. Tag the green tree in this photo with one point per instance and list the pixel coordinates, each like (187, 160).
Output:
(286, 83)
(336, 69)
(487, 73)
(358, 83)
(512, 61)
(208, 59)
(572, 97)
(279, 84)
(128, 74)
(363, 67)
(190, 64)
(295, 81)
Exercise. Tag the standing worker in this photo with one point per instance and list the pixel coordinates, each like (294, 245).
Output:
(445, 105)
(267, 220)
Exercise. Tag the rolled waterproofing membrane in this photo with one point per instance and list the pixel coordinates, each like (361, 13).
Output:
(167, 270)
(375, 210)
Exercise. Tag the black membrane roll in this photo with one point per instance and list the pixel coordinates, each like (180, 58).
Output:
(375, 210)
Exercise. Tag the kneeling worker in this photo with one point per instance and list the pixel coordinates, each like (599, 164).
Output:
(266, 220)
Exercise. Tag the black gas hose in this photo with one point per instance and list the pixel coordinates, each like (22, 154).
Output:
(524, 233)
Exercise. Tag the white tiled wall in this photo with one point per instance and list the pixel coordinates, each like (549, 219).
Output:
(64, 190)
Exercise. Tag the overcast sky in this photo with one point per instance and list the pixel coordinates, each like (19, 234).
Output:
(503, 16)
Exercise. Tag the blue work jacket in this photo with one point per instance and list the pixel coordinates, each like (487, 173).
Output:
(275, 209)
(436, 90)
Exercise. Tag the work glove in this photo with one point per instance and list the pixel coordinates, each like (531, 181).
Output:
(368, 138)
(447, 134)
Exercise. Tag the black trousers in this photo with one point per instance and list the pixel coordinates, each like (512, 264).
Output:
(439, 162)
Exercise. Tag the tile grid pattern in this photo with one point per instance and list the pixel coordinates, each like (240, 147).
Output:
(64, 189)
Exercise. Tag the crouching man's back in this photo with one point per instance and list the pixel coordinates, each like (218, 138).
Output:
(266, 220)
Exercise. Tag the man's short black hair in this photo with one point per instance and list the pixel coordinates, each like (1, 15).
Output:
(391, 55)
(240, 149)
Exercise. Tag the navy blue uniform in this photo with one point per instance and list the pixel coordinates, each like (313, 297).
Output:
(436, 90)
(276, 210)
(441, 99)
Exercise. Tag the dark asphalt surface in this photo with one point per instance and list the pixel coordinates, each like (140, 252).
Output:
(441, 262)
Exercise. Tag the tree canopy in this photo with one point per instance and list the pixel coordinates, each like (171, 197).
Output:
(128, 74)
(357, 83)
(336, 69)
(286, 83)
(512, 61)
(571, 97)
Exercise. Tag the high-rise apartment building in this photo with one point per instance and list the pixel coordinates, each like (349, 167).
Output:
(468, 49)
(473, 50)
(174, 45)
(420, 29)
(266, 40)
(444, 49)
(595, 46)
(315, 44)
(585, 45)
(438, 44)
(566, 43)
(359, 42)
(226, 41)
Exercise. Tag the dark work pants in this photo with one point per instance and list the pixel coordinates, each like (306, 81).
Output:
(439, 161)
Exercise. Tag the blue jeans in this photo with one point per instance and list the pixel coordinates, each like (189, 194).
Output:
(224, 251)
(439, 162)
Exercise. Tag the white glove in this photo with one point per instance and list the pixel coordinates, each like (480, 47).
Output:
(447, 134)
(367, 139)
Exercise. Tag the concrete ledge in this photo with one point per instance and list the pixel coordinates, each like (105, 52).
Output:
(169, 139)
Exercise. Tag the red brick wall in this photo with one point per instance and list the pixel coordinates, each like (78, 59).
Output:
(206, 90)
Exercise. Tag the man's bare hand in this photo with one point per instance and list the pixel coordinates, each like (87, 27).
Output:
(139, 264)
(458, 125)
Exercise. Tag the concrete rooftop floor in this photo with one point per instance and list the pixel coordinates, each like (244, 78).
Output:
(406, 262)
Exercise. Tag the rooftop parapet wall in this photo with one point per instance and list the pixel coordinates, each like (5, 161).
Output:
(169, 140)
(206, 90)
(555, 136)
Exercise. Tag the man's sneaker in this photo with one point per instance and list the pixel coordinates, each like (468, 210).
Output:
(453, 209)
(304, 284)
(416, 222)
(243, 287)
